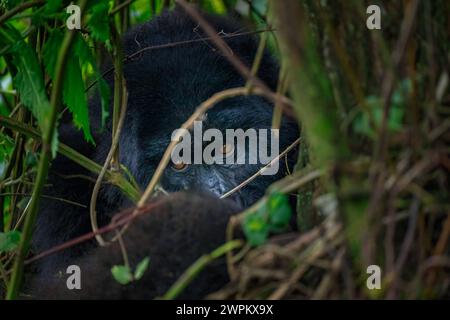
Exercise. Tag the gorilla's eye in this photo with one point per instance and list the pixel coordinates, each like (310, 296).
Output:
(179, 166)
(227, 149)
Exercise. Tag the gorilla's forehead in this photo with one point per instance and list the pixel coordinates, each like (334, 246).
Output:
(237, 113)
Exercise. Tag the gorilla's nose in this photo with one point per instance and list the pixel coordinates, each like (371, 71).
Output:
(212, 183)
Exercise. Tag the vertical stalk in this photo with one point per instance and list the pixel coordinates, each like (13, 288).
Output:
(44, 162)
(314, 103)
(118, 85)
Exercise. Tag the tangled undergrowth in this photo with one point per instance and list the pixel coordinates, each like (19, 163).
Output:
(371, 182)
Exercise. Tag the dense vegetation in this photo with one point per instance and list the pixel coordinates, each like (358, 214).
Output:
(371, 180)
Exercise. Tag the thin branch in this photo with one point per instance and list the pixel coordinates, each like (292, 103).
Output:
(120, 7)
(126, 217)
(205, 106)
(114, 178)
(261, 171)
(177, 288)
(22, 7)
(234, 60)
(112, 150)
(130, 58)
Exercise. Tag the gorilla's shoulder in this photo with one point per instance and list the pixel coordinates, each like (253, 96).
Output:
(173, 232)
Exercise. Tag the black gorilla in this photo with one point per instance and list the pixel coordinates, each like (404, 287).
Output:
(173, 235)
(165, 86)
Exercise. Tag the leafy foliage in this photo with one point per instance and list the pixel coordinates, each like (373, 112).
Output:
(98, 23)
(9, 240)
(29, 82)
(123, 274)
(272, 216)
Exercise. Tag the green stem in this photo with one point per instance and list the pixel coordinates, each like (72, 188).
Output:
(44, 162)
(186, 278)
(112, 177)
(118, 89)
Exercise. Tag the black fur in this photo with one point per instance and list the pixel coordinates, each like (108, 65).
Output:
(173, 235)
(165, 86)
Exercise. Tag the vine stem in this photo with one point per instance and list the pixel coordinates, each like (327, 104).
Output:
(113, 177)
(190, 274)
(109, 157)
(44, 162)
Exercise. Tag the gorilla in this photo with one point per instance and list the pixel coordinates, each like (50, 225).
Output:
(165, 86)
(181, 228)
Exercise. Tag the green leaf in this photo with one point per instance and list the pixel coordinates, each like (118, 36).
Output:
(23, 203)
(74, 96)
(55, 143)
(31, 159)
(51, 50)
(52, 6)
(273, 216)
(260, 6)
(255, 229)
(30, 84)
(216, 6)
(98, 22)
(84, 54)
(6, 146)
(279, 211)
(122, 274)
(82, 50)
(141, 268)
(9, 240)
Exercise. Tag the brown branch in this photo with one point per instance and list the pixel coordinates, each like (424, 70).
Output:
(126, 216)
(234, 60)
(260, 171)
(22, 7)
(131, 57)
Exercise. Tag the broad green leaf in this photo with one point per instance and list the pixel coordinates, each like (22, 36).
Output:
(279, 211)
(30, 84)
(9, 240)
(53, 6)
(82, 50)
(255, 229)
(122, 274)
(273, 216)
(98, 22)
(73, 89)
(74, 96)
(141, 268)
(84, 53)
(51, 50)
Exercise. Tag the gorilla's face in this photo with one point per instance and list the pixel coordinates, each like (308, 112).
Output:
(167, 85)
(233, 159)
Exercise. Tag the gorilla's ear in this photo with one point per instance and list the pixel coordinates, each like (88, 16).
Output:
(174, 234)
